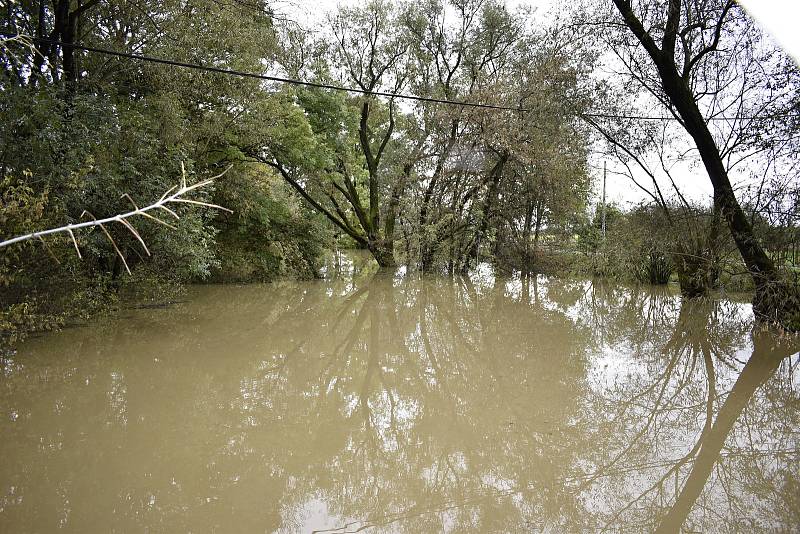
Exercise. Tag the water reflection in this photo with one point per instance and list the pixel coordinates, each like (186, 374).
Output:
(402, 404)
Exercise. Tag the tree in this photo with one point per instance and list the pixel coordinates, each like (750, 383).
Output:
(691, 53)
(352, 188)
(548, 185)
(466, 59)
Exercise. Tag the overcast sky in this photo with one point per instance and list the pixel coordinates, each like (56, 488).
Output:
(779, 17)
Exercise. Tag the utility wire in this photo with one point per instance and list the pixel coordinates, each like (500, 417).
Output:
(662, 118)
(266, 77)
(291, 81)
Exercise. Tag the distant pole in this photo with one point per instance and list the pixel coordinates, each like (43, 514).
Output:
(604, 202)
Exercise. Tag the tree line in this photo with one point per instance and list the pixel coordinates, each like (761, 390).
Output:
(438, 187)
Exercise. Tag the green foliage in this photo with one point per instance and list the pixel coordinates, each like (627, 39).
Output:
(654, 267)
(635, 246)
(270, 233)
(125, 128)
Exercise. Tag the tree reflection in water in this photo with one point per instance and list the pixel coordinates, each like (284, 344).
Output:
(675, 405)
(398, 403)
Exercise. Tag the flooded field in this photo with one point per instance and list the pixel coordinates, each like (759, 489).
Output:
(405, 404)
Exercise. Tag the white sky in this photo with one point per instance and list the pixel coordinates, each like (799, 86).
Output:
(779, 17)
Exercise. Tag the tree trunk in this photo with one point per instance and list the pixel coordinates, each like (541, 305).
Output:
(537, 231)
(491, 196)
(382, 251)
(426, 247)
(38, 60)
(526, 238)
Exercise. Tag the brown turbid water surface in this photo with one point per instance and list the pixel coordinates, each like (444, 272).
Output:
(399, 403)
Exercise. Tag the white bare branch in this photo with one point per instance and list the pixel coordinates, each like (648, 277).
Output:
(173, 195)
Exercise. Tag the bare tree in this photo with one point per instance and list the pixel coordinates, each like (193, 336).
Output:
(701, 61)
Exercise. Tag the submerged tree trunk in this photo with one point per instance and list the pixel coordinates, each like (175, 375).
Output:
(537, 232)
(383, 252)
(526, 237)
(774, 300)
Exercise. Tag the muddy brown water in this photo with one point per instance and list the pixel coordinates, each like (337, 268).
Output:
(387, 403)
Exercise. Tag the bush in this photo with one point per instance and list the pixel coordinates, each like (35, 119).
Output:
(270, 233)
(654, 267)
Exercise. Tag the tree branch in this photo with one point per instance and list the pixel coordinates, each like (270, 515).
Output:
(121, 218)
(316, 205)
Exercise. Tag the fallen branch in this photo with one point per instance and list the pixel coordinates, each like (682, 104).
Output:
(171, 196)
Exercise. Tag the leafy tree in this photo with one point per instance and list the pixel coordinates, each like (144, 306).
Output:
(81, 130)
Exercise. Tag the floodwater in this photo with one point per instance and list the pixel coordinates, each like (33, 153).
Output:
(386, 403)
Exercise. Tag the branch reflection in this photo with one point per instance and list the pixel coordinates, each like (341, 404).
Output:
(405, 404)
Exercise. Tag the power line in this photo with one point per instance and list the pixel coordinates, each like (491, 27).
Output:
(266, 77)
(291, 81)
(670, 118)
